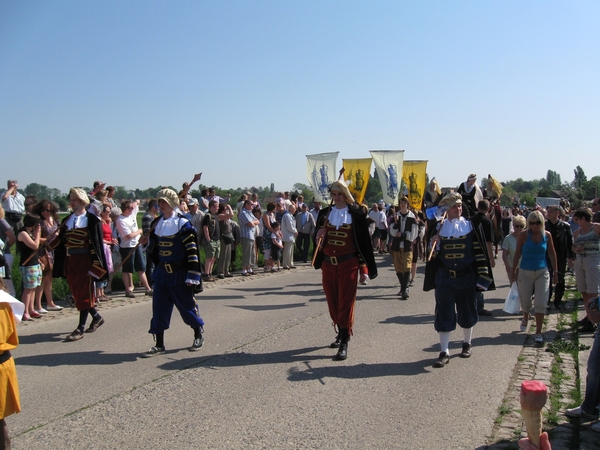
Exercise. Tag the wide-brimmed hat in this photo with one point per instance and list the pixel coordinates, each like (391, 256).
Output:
(340, 186)
(169, 196)
(80, 194)
(451, 200)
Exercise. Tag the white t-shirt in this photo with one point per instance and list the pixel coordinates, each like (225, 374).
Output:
(128, 225)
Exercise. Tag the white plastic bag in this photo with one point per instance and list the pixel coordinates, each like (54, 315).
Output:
(512, 304)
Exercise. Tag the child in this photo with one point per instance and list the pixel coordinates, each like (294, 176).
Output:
(277, 245)
(28, 242)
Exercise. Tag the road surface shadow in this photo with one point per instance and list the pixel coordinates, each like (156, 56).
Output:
(76, 358)
(359, 371)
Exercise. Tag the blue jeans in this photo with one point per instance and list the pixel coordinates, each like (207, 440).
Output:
(592, 381)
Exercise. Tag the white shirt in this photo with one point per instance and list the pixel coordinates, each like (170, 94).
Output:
(80, 221)
(455, 228)
(128, 225)
(338, 217)
(14, 203)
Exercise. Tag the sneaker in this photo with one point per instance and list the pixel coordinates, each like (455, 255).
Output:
(153, 352)
(523, 326)
(95, 325)
(539, 339)
(576, 413)
(41, 311)
(442, 360)
(466, 350)
(129, 294)
(74, 336)
(596, 427)
(197, 345)
(54, 308)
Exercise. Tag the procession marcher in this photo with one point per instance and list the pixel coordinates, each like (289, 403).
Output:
(562, 237)
(345, 250)
(463, 269)
(79, 257)
(471, 195)
(173, 245)
(482, 220)
(404, 231)
(11, 311)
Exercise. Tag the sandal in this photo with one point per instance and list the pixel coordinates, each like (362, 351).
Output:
(524, 324)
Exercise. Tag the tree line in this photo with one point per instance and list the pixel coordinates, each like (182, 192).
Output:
(577, 192)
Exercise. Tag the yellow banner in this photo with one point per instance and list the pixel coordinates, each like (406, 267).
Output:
(357, 171)
(414, 175)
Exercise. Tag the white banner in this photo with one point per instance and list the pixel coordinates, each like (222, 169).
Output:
(389, 168)
(320, 171)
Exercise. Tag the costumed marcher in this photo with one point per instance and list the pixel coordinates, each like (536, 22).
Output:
(463, 269)
(79, 257)
(404, 230)
(471, 195)
(343, 232)
(11, 312)
(173, 246)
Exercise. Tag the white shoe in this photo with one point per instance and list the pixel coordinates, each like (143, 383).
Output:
(55, 308)
(576, 413)
(41, 311)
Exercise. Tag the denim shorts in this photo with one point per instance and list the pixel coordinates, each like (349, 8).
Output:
(135, 263)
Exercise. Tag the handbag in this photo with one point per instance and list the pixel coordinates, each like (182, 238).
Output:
(512, 304)
(227, 238)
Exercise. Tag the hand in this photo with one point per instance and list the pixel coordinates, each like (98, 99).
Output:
(555, 278)
(143, 240)
(525, 443)
(571, 262)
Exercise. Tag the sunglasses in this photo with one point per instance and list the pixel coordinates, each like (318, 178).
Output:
(535, 223)
(519, 226)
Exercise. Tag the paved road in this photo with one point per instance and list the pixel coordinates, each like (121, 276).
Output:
(265, 377)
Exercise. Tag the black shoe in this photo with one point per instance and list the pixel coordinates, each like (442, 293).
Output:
(342, 352)
(197, 344)
(442, 360)
(95, 325)
(466, 350)
(336, 343)
(484, 312)
(404, 295)
(587, 327)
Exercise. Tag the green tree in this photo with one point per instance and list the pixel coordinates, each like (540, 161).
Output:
(591, 188)
(553, 179)
(580, 177)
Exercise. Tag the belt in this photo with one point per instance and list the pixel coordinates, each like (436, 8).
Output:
(455, 273)
(335, 260)
(173, 267)
(77, 251)
(5, 356)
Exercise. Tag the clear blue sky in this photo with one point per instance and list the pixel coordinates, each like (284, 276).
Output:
(146, 93)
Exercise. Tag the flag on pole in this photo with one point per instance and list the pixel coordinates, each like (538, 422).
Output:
(320, 171)
(414, 174)
(389, 168)
(357, 172)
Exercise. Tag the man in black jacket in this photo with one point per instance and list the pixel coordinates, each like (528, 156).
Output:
(345, 250)
(562, 237)
(481, 220)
